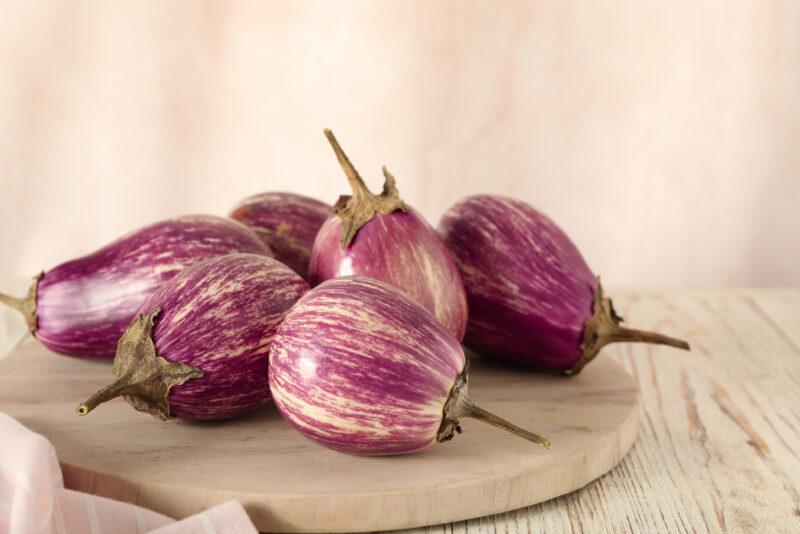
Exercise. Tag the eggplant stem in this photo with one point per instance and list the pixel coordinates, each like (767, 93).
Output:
(389, 184)
(633, 335)
(459, 405)
(358, 209)
(119, 387)
(13, 302)
(476, 412)
(25, 305)
(603, 328)
(142, 376)
(356, 182)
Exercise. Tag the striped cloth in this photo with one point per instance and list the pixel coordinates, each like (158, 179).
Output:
(33, 499)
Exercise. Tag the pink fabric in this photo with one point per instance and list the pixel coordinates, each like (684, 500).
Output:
(33, 499)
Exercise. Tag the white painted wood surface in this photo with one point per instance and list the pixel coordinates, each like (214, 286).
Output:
(719, 429)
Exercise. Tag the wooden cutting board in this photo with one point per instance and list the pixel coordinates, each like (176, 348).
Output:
(289, 484)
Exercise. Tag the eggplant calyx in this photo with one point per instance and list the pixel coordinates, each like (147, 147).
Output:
(142, 376)
(458, 405)
(25, 305)
(358, 209)
(603, 327)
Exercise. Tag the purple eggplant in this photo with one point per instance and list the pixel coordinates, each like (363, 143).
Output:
(288, 223)
(532, 298)
(83, 306)
(382, 237)
(199, 347)
(358, 367)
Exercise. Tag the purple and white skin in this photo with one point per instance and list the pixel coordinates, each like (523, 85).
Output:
(532, 298)
(82, 307)
(199, 347)
(360, 368)
(288, 223)
(382, 237)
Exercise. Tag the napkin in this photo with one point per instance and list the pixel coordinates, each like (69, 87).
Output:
(33, 499)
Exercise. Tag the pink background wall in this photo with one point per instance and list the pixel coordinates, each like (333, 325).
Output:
(664, 136)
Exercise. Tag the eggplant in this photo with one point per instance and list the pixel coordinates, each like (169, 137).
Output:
(533, 299)
(199, 347)
(83, 306)
(358, 367)
(381, 237)
(288, 223)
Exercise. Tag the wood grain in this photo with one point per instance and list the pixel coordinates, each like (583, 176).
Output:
(289, 484)
(719, 439)
(719, 428)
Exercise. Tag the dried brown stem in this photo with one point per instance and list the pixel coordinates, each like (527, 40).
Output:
(358, 209)
(604, 328)
(459, 405)
(13, 302)
(143, 377)
(119, 387)
(25, 305)
(357, 184)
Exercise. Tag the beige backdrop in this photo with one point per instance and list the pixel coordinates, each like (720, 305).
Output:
(664, 136)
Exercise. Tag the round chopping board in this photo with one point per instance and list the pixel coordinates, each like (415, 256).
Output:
(288, 484)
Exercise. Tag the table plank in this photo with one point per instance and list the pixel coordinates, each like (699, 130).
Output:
(719, 441)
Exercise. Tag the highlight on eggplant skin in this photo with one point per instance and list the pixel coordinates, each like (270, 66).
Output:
(358, 367)
(532, 298)
(199, 347)
(286, 222)
(382, 237)
(82, 307)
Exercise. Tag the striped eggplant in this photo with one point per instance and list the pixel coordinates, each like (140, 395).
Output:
(532, 298)
(358, 367)
(382, 237)
(199, 347)
(288, 223)
(83, 306)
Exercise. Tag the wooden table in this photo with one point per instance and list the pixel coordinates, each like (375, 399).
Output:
(719, 437)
